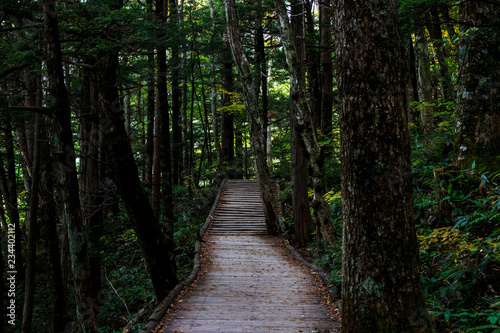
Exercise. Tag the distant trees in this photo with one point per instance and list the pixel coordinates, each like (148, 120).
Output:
(478, 94)
(381, 286)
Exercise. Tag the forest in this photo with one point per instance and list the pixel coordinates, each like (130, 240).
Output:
(380, 121)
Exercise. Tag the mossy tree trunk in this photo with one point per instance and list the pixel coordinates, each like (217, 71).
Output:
(381, 287)
(477, 137)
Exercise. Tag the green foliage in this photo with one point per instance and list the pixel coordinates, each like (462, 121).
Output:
(459, 234)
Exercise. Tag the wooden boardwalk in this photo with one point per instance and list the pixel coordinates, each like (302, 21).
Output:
(250, 281)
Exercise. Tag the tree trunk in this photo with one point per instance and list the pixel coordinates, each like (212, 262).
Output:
(49, 236)
(148, 177)
(156, 185)
(59, 102)
(255, 117)
(29, 285)
(168, 172)
(313, 63)
(477, 137)
(434, 27)
(424, 80)
(213, 94)
(92, 174)
(305, 123)
(260, 64)
(381, 286)
(302, 218)
(325, 28)
(126, 177)
(176, 100)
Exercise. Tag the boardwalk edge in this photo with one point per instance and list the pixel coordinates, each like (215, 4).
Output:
(320, 271)
(162, 308)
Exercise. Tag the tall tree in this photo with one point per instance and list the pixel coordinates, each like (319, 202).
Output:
(477, 135)
(69, 188)
(254, 114)
(424, 80)
(49, 234)
(302, 219)
(326, 44)
(381, 286)
(306, 126)
(176, 96)
(125, 174)
(29, 287)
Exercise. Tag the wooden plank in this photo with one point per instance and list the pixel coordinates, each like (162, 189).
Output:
(252, 284)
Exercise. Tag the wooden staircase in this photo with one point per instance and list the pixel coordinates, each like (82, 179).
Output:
(240, 211)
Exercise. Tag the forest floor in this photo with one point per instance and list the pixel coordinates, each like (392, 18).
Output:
(249, 282)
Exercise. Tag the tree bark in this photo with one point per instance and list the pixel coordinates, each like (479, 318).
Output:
(302, 219)
(49, 235)
(255, 117)
(148, 176)
(477, 137)
(326, 43)
(381, 286)
(59, 102)
(92, 173)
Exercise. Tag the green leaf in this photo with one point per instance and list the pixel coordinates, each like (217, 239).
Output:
(447, 315)
(493, 319)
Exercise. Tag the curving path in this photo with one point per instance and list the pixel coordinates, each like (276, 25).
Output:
(250, 283)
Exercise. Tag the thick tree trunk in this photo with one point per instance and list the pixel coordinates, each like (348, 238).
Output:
(424, 80)
(305, 123)
(154, 244)
(381, 288)
(91, 171)
(254, 115)
(477, 137)
(302, 219)
(59, 102)
(49, 236)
